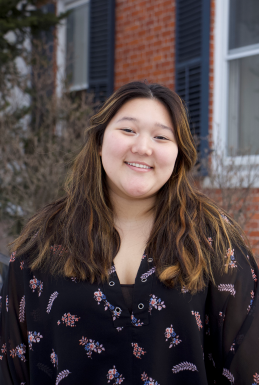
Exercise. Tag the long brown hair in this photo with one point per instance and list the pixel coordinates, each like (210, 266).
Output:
(75, 235)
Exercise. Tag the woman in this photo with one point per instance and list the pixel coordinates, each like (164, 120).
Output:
(133, 276)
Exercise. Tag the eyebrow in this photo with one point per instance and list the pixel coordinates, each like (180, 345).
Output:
(129, 118)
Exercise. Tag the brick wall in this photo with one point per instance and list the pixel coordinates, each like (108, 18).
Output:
(144, 41)
(252, 228)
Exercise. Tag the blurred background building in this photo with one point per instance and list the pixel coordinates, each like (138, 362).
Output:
(205, 50)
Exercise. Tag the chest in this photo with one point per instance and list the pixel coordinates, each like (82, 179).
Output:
(128, 259)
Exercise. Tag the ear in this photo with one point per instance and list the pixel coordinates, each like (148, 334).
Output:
(100, 151)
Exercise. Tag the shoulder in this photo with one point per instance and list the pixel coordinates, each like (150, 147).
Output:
(238, 279)
(17, 272)
(16, 263)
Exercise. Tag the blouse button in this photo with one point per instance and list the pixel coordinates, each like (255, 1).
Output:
(150, 260)
(140, 306)
(118, 309)
(143, 280)
(111, 283)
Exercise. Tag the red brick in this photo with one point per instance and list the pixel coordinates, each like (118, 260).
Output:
(253, 225)
(144, 41)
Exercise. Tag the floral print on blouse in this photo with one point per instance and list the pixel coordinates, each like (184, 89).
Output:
(62, 331)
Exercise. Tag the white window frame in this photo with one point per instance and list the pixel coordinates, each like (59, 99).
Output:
(221, 59)
(63, 6)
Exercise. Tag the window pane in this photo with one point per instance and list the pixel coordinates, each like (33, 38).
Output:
(243, 106)
(77, 47)
(243, 23)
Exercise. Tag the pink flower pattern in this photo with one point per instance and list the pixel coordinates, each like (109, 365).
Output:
(33, 337)
(19, 351)
(36, 284)
(113, 374)
(198, 319)
(231, 256)
(135, 321)
(170, 333)
(254, 275)
(12, 258)
(69, 320)
(184, 290)
(221, 318)
(256, 379)
(137, 350)
(54, 358)
(99, 297)
(91, 346)
(251, 301)
(57, 249)
(232, 347)
(112, 270)
(148, 380)
(3, 351)
(210, 241)
(155, 303)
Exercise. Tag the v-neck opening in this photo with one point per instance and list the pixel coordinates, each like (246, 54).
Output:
(127, 292)
(141, 290)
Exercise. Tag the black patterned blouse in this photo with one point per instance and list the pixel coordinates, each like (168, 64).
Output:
(60, 331)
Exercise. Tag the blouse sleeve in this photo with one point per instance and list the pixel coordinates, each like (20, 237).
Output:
(232, 322)
(13, 330)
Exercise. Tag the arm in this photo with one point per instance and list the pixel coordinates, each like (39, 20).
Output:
(232, 343)
(13, 331)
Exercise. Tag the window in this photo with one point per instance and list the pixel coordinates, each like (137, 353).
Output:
(85, 46)
(243, 78)
(77, 43)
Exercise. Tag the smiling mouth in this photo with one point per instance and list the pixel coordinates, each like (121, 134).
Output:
(138, 165)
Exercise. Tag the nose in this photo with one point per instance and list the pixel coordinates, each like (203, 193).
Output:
(142, 146)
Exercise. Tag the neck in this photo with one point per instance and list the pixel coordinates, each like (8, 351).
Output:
(132, 212)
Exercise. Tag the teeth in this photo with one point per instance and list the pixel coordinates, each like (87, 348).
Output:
(138, 165)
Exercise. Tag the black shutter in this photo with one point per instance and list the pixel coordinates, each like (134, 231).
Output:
(101, 48)
(192, 66)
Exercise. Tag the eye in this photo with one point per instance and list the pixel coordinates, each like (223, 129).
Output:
(128, 130)
(161, 137)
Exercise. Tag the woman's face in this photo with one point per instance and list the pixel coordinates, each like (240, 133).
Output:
(139, 149)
